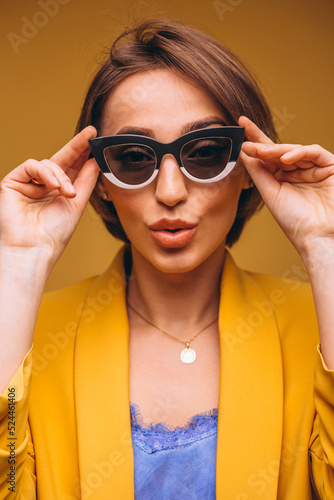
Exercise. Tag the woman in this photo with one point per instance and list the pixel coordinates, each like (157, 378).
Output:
(170, 108)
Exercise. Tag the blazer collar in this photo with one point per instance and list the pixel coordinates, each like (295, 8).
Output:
(101, 389)
(250, 399)
(250, 417)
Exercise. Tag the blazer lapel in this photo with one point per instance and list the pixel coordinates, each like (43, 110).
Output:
(251, 391)
(250, 400)
(101, 390)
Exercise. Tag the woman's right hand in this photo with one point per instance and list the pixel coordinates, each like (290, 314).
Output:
(43, 217)
(36, 222)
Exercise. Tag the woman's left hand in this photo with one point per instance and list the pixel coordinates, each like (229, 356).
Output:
(297, 184)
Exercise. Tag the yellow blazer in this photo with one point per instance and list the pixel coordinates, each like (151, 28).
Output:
(78, 441)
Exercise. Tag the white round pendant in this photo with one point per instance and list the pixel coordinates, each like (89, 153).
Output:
(188, 355)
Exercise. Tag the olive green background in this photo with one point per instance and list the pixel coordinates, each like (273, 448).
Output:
(49, 51)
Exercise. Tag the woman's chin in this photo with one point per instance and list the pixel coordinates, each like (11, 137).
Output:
(179, 261)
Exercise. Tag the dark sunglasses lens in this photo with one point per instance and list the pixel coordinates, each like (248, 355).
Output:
(131, 163)
(206, 158)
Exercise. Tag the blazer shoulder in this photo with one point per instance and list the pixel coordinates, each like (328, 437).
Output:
(292, 303)
(281, 289)
(60, 310)
(69, 293)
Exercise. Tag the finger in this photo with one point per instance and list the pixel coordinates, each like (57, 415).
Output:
(272, 153)
(66, 187)
(33, 169)
(85, 181)
(74, 169)
(82, 189)
(47, 174)
(47, 177)
(250, 153)
(305, 176)
(314, 154)
(66, 179)
(292, 156)
(75, 149)
(263, 178)
(36, 193)
(253, 132)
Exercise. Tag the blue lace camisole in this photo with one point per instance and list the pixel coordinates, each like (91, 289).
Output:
(175, 464)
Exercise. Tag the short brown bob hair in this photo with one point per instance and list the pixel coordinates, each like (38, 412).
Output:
(162, 43)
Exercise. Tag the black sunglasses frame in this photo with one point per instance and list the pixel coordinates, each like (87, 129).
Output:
(99, 144)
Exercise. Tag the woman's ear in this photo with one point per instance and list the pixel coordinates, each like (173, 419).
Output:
(101, 188)
(247, 181)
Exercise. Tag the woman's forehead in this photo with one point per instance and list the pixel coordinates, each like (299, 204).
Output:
(158, 100)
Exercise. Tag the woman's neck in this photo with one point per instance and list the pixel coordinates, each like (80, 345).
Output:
(176, 301)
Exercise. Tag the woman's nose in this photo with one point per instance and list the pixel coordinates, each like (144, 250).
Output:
(171, 183)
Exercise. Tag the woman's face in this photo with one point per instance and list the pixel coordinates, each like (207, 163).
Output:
(174, 224)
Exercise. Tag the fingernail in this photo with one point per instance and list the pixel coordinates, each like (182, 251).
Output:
(266, 146)
(287, 155)
(55, 180)
(70, 187)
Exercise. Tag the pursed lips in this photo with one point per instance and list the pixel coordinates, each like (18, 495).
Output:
(173, 233)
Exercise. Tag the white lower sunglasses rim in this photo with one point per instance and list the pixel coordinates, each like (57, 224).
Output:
(228, 169)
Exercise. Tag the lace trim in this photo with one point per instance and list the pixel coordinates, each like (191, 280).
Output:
(158, 437)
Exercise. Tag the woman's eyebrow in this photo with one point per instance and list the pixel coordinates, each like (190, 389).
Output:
(189, 127)
(214, 120)
(136, 131)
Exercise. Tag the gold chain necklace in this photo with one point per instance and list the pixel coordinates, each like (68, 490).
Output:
(187, 355)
